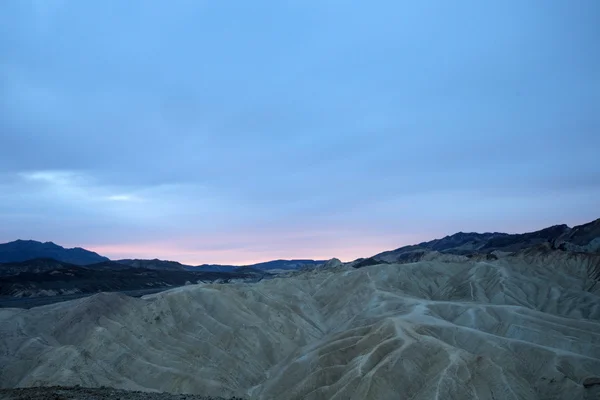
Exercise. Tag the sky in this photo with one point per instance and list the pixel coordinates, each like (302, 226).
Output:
(243, 131)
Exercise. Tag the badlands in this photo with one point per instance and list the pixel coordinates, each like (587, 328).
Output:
(524, 325)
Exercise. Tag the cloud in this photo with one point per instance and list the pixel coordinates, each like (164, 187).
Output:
(71, 185)
(83, 191)
(87, 195)
(123, 197)
(55, 177)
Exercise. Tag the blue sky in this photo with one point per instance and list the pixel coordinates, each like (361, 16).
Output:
(236, 132)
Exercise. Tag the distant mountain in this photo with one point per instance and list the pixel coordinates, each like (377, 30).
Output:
(263, 266)
(23, 250)
(27, 250)
(516, 242)
(156, 264)
(285, 264)
(463, 242)
(582, 238)
(213, 268)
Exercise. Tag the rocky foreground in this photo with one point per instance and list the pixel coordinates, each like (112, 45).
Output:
(103, 393)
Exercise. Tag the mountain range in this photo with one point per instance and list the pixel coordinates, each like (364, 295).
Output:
(30, 269)
(23, 250)
(28, 250)
(582, 238)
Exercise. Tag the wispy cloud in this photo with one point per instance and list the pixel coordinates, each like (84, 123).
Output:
(173, 205)
(75, 186)
(124, 197)
(77, 183)
(62, 178)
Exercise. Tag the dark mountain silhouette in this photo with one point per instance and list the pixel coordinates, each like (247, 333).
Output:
(155, 264)
(285, 264)
(24, 250)
(581, 238)
(263, 266)
(36, 268)
(213, 268)
(36, 257)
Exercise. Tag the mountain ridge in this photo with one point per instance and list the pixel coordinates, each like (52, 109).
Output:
(580, 238)
(24, 250)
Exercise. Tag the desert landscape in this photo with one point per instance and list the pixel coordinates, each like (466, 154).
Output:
(483, 325)
(299, 200)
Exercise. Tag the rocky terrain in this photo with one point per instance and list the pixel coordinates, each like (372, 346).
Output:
(482, 325)
(524, 326)
(105, 393)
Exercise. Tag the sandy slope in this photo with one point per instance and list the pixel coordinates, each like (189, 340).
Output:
(521, 327)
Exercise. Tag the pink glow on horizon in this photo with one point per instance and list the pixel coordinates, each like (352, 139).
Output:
(346, 249)
(241, 249)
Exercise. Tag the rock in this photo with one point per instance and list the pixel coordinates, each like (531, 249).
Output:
(592, 381)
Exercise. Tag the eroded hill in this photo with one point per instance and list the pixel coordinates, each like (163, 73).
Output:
(524, 326)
